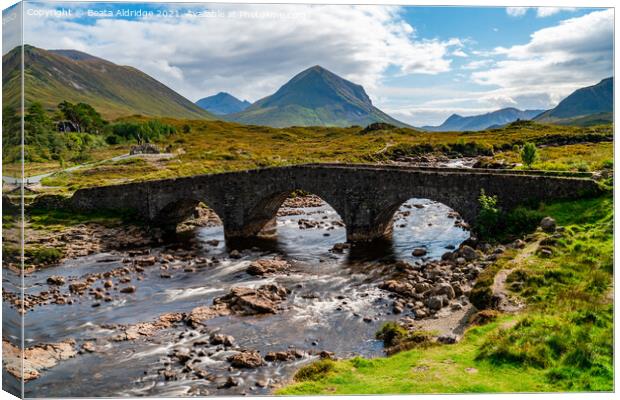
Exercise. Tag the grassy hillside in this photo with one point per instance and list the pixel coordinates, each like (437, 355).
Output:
(563, 341)
(218, 146)
(114, 90)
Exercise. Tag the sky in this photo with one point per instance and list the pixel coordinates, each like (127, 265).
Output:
(418, 64)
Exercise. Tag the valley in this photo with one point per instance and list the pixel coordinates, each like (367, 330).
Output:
(511, 296)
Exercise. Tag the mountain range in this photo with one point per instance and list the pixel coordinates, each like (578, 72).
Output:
(314, 97)
(480, 122)
(222, 104)
(52, 76)
(586, 106)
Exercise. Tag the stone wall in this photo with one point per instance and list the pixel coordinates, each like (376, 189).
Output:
(365, 196)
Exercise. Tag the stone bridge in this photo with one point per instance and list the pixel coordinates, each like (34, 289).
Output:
(365, 196)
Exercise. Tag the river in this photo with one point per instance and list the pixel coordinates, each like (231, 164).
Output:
(334, 305)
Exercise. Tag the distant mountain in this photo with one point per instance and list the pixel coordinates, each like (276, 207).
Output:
(222, 104)
(483, 121)
(315, 97)
(588, 101)
(52, 76)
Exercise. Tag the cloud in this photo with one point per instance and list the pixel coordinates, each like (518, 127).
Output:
(251, 50)
(478, 64)
(459, 53)
(557, 60)
(516, 11)
(542, 12)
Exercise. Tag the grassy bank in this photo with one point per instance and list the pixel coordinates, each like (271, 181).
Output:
(562, 341)
(217, 146)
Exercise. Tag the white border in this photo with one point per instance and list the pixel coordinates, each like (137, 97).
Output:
(488, 3)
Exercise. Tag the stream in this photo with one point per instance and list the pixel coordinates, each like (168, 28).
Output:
(334, 305)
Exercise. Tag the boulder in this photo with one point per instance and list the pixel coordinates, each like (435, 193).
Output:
(468, 253)
(264, 267)
(419, 252)
(246, 359)
(248, 301)
(435, 302)
(548, 224)
(128, 289)
(444, 289)
(401, 288)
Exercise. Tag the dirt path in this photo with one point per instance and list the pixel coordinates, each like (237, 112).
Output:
(509, 303)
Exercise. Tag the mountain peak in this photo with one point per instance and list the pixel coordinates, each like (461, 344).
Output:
(315, 97)
(223, 103)
(588, 100)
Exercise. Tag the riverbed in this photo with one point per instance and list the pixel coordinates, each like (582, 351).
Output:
(334, 305)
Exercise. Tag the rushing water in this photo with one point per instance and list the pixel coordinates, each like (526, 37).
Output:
(334, 305)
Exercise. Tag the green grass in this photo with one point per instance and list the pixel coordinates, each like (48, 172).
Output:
(58, 219)
(562, 341)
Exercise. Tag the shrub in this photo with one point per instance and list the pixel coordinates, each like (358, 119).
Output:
(529, 153)
(315, 371)
(391, 333)
(488, 216)
(44, 255)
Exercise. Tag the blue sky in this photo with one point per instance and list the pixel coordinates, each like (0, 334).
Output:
(420, 64)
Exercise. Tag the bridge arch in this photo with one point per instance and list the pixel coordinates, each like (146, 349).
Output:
(426, 225)
(262, 214)
(381, 225)
(176, 211)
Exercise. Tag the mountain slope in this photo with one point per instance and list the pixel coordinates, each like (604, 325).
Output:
(52, 76)
(315, 97)
(223, 103)
(483, 121)
(595, 99)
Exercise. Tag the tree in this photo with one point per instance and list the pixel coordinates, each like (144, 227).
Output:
(83, 115)
(529, 153)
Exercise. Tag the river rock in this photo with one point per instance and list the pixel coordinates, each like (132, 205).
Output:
(280, 356)
(246, 359)
(266, 266)
(340, 247)
(548, 224)
(199, 315)
(235, 254)
(398, 287)
(249, 301)
(218, 338)
(435, 302)
(27, 364)
(419, 252)
(56, 280)
(444, 289)
(128, 289)
(145, 261)
(78, 287)
(468, 253)
(422, 287)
